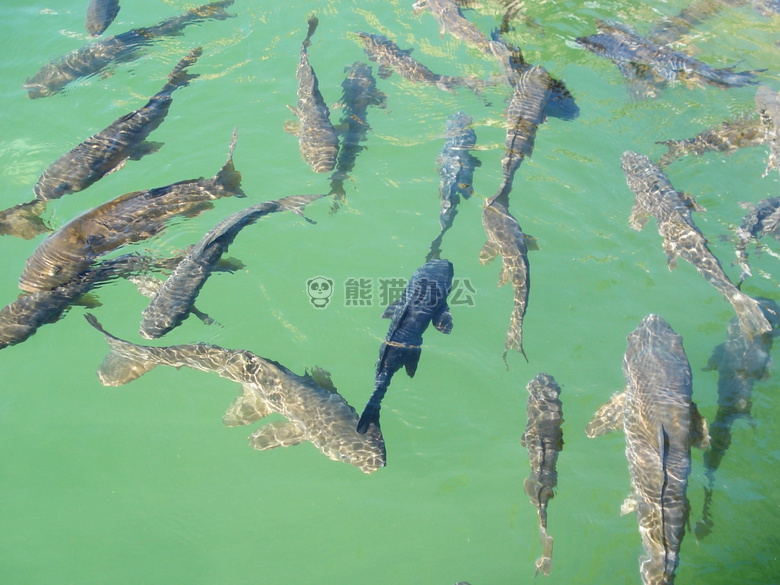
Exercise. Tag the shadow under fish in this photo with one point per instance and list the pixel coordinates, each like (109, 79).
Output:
(424, 301)
(314, 410)
(98, 55)
(100, 14)
(129, 218)
(173, 302)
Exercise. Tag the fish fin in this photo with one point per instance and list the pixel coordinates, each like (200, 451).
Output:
(383, 71)
(292, 126)
(88, 300)
(442, 321)
(629, 505)
(276, 434)
(700, 434)
(488, 252)
(390, 310)
(193, 211)
(140, 151)
(671, 254)
(119, 166)
(412, 361)
(607, 418)
(638, 218)
(229, 265)
(146, 285)
(23, 220)
(246, 408)
(228, 176)
(125, 362)
(370, 416)
(503, 276)
(531, 244)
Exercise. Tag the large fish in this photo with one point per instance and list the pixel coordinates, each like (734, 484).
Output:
(96, 56)
(456, 167)
(360, 91)
(661, 423)
(768, 104)
(762, 219)
(100, 14)
(452, 21)
(740, 363)
(173, 302)
(672, 211)
(314, 410)
(129, 218)
(317, 138)
(505, 237)
(648, 66)
(424, 301)
(543, 437)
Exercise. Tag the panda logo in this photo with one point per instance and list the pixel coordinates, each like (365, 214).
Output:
(319, 289)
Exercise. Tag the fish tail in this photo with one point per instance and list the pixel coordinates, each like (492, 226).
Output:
(544, 562)
(125, 362)
(752, 320)
(179, 76)
(370, 415)
(313, 22)
(215, 10)
(228, 177)
(24, 220)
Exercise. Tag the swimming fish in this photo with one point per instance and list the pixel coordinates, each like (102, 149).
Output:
(762, 219)
(452, 21)
(424, 301)
(100, 14)
(314, 410)
(661, 423)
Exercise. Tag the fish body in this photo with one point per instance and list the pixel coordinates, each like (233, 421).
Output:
(100, 14)
(649, 66)
(110, 149)
(173, 302)
(97, 55)
(129, 218)
(456, 166)
(314, 410)
(317, 138)
(424, 301)
(762, 219)
(672, 210)
(543, 437)
(660, 422)
(452, 21)
(505, 237)
(768, 104)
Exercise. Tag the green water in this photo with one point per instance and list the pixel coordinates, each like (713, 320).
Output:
(143, 484)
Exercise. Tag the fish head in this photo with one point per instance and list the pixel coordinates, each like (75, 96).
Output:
(431, 284)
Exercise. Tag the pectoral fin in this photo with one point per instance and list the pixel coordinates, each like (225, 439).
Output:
(390, 310)
(140, 151)
(608, 418)
(412, 361)
(291, 126)
(276, 434)
(488, 252)
(700, 434)
(247, 408)
(443, 320)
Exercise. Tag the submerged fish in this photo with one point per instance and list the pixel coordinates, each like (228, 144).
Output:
(317, 138)
(129, 218)
(24, 220)
(661, 423)
(314, 410)
(543, 438)
(172, 304)
(672, 210)
(768, 104)
(96, 56)
(648, 66)
(762, 219)
(452, 21)
(100, 14)
(424, 301)
(740, 363)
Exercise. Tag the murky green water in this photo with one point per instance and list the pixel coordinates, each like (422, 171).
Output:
(142, 483)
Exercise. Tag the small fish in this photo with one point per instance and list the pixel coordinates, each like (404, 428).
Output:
(768, 104)
(314, 410)
(543, 438)
(24, 220)
(317, 138)
(452, 21)
(672, 28)
(660, 422)
(173, 302)
(129, 218)
(100, 14)
(762, 219)
(648, 66)
(672, 210)
(424, 301)
(98, 55)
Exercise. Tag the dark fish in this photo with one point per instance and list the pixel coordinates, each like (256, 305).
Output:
(661, 423)
(424, 301)
(648, 66)
(96, 56)
(360, 91)
(763, 218)
(129, 218)
(671, 29)
(456, 167)
(524, 114)
(317, 138)
(740, 362)
(173, 302)
(100, 14)
(506, 237)
(452, 21)
(672, 211)
(543, 438)
(768, 104)
(314, 410)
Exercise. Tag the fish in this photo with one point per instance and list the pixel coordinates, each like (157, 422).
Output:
(656, 196)
(762, 218)
(424, 301)
(661, 423)
(543, 437)
(360, 92)
(740, 363)
(456, 167)
(672, 28)
(768, 104)
(524, 114)
(100, 14)
(505, 237)
(314, 410)
(172, 304)
(317, 138)
(128, 218)
(24, 220)
(452, 21)
(96, 56)
(649, 67)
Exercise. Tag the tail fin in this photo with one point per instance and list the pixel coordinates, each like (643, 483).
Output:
(125, 362)
(228, 177)
(313, 22)
(751, 318)
(370, 415)
(179, 76)
(544, 562)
